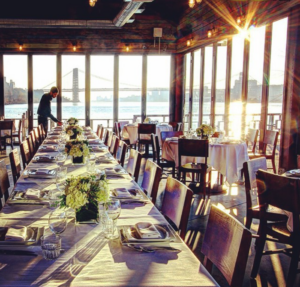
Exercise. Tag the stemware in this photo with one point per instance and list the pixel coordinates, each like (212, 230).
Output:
(113, 210)
(60, 159)
(61, 174)
(57, 221)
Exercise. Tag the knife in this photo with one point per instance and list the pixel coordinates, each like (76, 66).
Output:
(17, 252)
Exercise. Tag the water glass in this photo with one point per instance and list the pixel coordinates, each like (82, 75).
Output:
(60, 159)
(113, 210)
(57, 221)
(91, 166)
(53, 196)
(61, 147)
(51, 246)
(61, 174)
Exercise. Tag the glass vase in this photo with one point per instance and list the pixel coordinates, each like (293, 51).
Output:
(78, 160)
(74, 136)
(87, 214)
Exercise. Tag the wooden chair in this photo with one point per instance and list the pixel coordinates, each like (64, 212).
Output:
(15, 164)
(251, 138)
(176, 204)
(194, 148)
(121, 152)
(31, 148)
(134, 164)
(113, 149)
(4, 183)
(145, 130)
(253, 211)
(169, 134)
(34, 142)
(37, 137)
(161, 162)
(105, 136)
(101, 132)
(269, 141)
(41, 132)
(151, 179)
(226, 245)
(25, 153)
(17, 134)
(177, 126)
(281, 192)
(99, 127)
(6, 127)
(118, 130)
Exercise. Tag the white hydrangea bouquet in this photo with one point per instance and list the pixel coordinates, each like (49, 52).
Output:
(78, 149)
(73, 131)
(147, 120)
(205, 130)
(72, 121)
(83, 193)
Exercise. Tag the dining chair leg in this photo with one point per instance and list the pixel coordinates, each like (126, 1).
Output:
(260, 244)
(293, 265)
(273, 165)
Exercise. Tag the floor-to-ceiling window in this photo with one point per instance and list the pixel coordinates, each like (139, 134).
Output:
(186, 109)
(130, 87)
(208, 61)
(196, 89)
(102, 90)
(158, 87)
(255, 76)
(44, 77)
(15, 86)
(220, 85)
(73, 87)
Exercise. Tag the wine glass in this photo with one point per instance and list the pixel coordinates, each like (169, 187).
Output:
(113, 210)
(57, 221)
(61, 174)
(60, 159)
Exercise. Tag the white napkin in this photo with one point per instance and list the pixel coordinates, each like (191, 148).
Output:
(42, 171)
(16, 233)
(32, 193)
(94, 141)
(51, 141)
(44, 158)
(91, 137)
(173, 139)
(48, 148)
(147, 230)
(122, 193)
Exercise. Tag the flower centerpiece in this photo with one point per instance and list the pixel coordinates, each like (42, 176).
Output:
(78, 149)
(73, 131)
(83, 193)
(147, 120)
(72, 121)
(205, 131)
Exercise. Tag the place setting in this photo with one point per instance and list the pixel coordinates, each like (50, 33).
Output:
(129, 196)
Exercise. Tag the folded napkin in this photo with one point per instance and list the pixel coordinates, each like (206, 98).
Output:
(44, 158)
(32, 193)
(93, 141)
(91, 137)
(16, 233)
(42, 171)
(51, 141)
(48, 148)
(122, 193)
(53, 137)
(147, 230)
(54, 133)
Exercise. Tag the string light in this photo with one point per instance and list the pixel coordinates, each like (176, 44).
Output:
(74, 48)
(191, 3)
(20, 47)
(92, 2)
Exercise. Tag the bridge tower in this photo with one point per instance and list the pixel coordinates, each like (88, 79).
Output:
(75, 88)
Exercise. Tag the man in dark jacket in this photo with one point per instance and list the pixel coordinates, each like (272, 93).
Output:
(44, 109)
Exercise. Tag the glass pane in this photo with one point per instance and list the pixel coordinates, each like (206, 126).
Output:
(130, 88)
(220, 85)
(196, 89)
(187, 90)
(208, 58)
(73, 87)
(43, 81)
(158, 87)
(15, 86)
(278, 49)
(255, 77)
(102, 90)
(235, 110)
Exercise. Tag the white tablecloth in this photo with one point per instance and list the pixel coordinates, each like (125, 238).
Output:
(131, 132)
(89, 259)
(228, 159)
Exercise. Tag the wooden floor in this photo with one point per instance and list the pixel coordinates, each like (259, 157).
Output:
(273, 269)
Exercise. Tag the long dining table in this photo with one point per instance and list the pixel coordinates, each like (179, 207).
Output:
(87, 258)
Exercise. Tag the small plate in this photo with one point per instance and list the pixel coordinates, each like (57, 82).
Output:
(43, 159)
(293, 172)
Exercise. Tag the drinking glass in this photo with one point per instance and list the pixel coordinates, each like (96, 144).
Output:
(91, 166)
(60, 159)
(61, 147)
(113, 210)
(51, 245)
(61, 174)
(57, 221)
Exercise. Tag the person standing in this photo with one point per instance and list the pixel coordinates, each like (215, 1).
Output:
(44, 109)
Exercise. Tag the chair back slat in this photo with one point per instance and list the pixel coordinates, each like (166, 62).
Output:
(251, 138)
(30, 145)
(15, 164)
(151, 179)
(134, 164)
(4, 181)
(25, 153)
(270, 139)
(250, 168)
(226, 244)
(121, 152)
(146, 129)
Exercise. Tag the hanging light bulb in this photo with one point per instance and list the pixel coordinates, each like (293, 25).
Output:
(74, 48)
(209, 33)
(239, 20)
(188, 43)
(191, 3)
(198, 1)
(20, 47)
(127, 47)
(92, 2)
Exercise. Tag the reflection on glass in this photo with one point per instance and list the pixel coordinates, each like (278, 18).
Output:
(102, 89)
(208, 58)
(73, 87)
(187, 60)
(130, 87)
(255, 77)
(43, 80)
(278, 50)
(15, 86)
(196, 89)
(235, 110)
(220, 85)
(158, 86)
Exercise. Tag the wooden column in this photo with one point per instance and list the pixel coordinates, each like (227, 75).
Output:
(228, 86)
(290, 131)
(213, 85)
(87, 89)
(59, 86)
(144, 88)
(30, 91)
(1, 86)
(172, 89)
(179, 87)
(116, 89)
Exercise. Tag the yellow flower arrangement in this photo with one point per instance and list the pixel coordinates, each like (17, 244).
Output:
(72, 121)
(77, 148)
(72, 129)
(205, 130)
